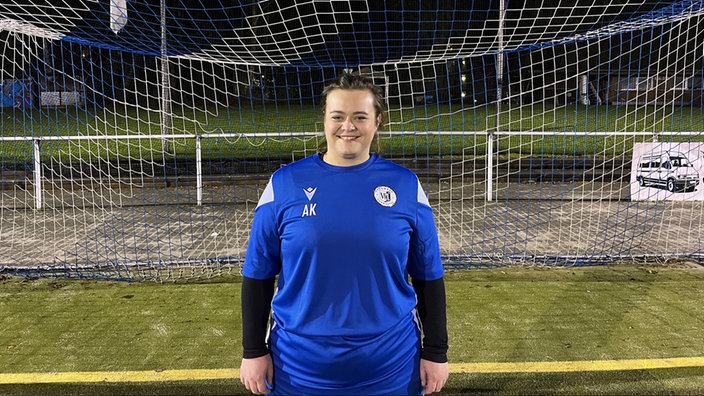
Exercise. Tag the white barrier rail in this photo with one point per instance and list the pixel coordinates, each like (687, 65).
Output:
(491, 150)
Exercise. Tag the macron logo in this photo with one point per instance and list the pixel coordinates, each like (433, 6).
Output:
(310, 191)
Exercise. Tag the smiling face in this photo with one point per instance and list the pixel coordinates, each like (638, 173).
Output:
(350, 123)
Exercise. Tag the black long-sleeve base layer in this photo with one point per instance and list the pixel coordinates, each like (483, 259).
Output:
(256, 308)
(432, 310)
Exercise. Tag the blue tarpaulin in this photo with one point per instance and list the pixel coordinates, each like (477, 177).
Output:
(15, 93)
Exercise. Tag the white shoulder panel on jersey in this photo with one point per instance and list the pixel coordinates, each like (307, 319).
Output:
(421, 195)
(267, 195)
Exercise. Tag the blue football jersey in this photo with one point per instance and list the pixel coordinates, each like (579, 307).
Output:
(343, 241)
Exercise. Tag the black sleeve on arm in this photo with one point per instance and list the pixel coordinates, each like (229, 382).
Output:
(256, 307)
(433, 316)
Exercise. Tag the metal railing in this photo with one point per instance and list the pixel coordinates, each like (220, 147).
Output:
(490, 136)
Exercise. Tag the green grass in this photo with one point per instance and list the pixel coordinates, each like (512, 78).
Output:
(499, 315)
(276, 122)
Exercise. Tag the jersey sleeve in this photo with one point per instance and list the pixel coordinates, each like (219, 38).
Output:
(424, 262)
(263, 257)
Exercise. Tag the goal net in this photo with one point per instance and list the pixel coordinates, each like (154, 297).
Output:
(136, 136)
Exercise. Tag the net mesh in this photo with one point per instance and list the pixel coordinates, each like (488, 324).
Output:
(137, 135)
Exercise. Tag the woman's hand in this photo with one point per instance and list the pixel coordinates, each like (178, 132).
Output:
(433, 376)
(257, 374)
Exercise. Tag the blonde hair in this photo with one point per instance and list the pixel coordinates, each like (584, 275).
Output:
(357, 82)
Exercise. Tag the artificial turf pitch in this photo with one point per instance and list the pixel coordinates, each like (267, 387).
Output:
(617, 329)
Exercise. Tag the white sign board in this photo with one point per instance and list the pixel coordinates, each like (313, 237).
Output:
(667, 171)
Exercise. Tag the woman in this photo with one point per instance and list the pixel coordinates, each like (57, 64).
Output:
(343, 229)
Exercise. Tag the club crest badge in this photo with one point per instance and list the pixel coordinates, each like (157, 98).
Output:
(385, 196)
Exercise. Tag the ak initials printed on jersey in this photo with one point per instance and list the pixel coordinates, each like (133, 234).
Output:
(309, 208)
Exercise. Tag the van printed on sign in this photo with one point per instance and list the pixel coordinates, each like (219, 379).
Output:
(670, 170)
